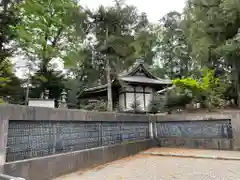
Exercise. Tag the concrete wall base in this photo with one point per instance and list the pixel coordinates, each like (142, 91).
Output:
(45, 168)
(218, 144)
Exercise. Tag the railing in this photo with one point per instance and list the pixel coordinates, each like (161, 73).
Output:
(7, 177)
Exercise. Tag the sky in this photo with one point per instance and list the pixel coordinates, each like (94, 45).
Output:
(155, 10)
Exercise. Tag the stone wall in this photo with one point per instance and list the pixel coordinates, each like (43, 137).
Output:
(196, 143)
(94, 128)
(43, 136)
(16, 112)
(48, 167)
(232, 115)
(28, 139)
(39, 131)
(195, 129)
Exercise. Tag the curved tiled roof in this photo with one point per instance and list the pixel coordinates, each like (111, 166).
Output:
(139, 64)
(131, 77)
(144, 80)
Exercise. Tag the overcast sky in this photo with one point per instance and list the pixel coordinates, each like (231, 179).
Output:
(155, 9)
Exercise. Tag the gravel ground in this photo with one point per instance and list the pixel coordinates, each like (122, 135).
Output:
(146, 167)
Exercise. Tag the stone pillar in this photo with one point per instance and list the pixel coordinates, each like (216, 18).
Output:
(3, 140)
(155, 129)
(151, 133)
(235, 122)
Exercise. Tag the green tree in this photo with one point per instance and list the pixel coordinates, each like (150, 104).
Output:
(158, 71)
(50, 31)
(10, 85)
(51, 80)
(173, 50)
(214, 38)
(113, 28)
(8, 20)
(209, 88)
(86, 69)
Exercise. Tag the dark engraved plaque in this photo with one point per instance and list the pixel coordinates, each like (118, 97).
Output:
(135, 131)
(28, 139)
(195, 129)
(111, 133)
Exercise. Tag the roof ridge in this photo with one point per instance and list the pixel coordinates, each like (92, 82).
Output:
(134, 66)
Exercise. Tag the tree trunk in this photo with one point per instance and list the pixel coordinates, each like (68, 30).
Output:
(238, 94)
(28, 86)
(237, 88)
(182, 68)
(109, 87)
(236, 80)
(109, 81)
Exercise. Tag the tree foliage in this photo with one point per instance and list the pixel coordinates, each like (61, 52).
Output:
(172, 47)
(49, 31)
(126, 34)
(95, 45)
(209, 88)
(214, 38)
(119, 37)
(9, 83)
(8, 19)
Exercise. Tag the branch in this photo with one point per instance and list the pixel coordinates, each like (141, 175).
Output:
(55, 40)
(46, 38)
(206, 5)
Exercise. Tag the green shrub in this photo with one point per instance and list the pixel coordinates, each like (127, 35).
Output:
(208, 89)
(2, 101)
(136, 106)
(154, 106)
(96, 106)
(178, 98)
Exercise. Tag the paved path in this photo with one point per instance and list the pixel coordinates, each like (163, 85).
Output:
(147, 167)
(195, 153)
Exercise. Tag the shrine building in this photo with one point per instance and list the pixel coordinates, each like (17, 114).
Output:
(137, 84)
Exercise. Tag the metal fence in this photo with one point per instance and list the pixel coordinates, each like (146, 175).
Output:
(28, 139)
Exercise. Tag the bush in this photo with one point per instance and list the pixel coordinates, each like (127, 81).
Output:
(157, 104)
(154, 107)
(189, 87)
(208, 89)
(136, 106)
(177, 98)
(96, 106)
(2, 101)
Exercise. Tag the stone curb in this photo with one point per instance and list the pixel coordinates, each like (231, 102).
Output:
(192, 156)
